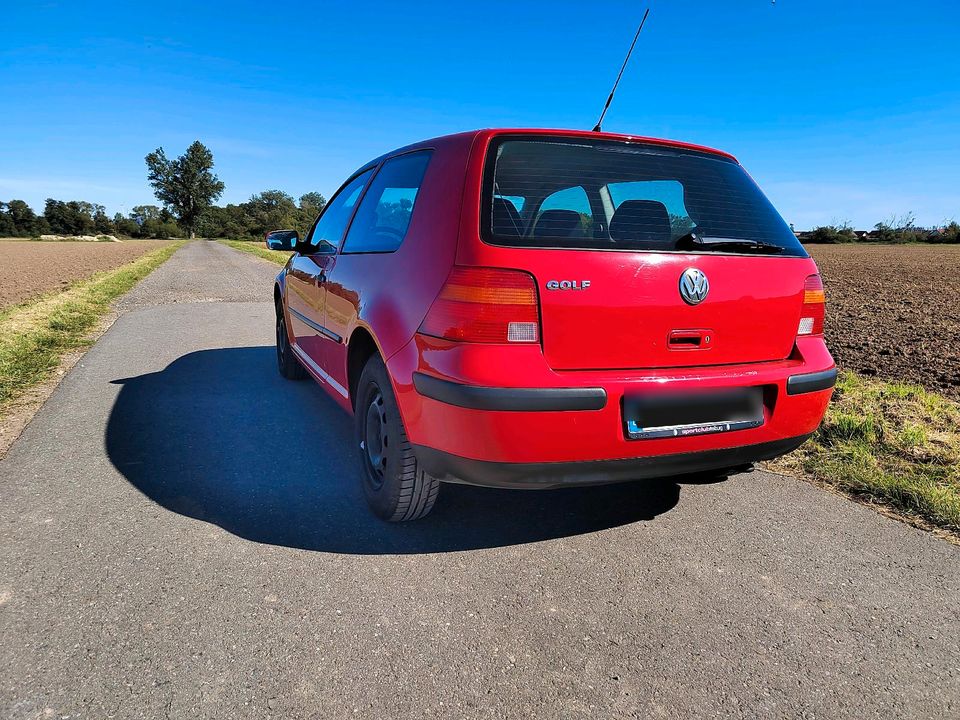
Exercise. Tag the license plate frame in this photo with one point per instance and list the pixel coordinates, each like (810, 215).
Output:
(669, 415)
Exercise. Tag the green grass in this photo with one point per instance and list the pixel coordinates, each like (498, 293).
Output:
(256, 248)
(36, 334)
(890, 443)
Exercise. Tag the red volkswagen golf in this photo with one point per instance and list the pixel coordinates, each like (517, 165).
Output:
(541, 309)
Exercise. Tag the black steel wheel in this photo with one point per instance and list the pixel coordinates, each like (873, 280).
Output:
(393, 483)
(376, 439)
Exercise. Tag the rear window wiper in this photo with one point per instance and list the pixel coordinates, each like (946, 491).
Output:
(693, 241)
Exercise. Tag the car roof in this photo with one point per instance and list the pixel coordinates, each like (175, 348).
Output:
(487, 133)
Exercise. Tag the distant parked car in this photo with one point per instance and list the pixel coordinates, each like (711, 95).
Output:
(540, 309)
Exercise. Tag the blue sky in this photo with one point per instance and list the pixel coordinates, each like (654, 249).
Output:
(840, 110)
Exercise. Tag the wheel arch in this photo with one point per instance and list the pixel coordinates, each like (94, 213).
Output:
(280, 306)
(361, 347)
(278, 285)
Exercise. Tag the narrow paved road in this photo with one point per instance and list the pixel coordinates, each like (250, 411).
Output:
(182, 534)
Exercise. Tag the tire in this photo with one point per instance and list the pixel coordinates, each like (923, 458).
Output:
(287, 363)
(395, 487)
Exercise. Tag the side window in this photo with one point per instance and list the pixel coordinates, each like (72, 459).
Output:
(668, 193)
(565, 213)
(328, 230)
(384, 214)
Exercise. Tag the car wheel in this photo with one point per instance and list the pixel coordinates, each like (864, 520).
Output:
(288, 365)
(393, 483)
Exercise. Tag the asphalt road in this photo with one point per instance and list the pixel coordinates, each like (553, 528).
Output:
(182, 534)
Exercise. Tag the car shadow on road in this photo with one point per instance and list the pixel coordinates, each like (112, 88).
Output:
(219, 436)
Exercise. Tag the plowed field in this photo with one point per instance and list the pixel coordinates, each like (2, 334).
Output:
(28, 269)
(893, 311)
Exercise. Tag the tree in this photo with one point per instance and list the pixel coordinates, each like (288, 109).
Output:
(7, 228)
(269, 210)
(949, 233)
(142, 214)
(900, 229)
(186, 185)
(126, 225)
(312, 201)
(102, 222)
(74, 217)
(227, 222)
(154, 222)
(18, 219)
(311, 204)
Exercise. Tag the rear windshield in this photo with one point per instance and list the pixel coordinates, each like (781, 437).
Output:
(609, 195)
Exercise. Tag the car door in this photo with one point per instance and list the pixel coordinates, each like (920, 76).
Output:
(308, 272)
(305, 299)
(377, 230)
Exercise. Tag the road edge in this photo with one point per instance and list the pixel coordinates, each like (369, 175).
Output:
(17, 415)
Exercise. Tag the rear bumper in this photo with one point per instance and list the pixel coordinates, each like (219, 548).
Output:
(503, 405)
(563, 399)
(535, 476)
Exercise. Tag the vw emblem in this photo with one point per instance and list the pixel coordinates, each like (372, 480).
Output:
(694, 286)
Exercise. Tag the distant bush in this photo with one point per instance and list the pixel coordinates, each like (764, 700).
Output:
(887, 234)
(125, 226)
(948, 234)
(896, 230)
(831, 234)
(903, 229)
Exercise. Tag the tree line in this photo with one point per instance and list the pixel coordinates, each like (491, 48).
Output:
(187, 189)
(265, 211)
(898, 229)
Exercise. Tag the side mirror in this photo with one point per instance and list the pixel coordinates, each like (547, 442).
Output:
(282, 239)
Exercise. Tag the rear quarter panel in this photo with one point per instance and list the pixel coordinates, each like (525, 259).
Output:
(389, 293)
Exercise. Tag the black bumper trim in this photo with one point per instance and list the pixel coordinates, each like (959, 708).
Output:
(516, 399)
(453, 468)
(811, 382)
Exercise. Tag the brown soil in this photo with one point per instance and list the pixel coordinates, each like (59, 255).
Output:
(893, 311)
(28, 269)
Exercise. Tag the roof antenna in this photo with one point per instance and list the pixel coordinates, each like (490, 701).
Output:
(622, 68)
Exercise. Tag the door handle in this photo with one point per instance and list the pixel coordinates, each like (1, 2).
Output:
(690, 339)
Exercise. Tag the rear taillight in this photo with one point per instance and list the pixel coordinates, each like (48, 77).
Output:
(485, 305)
(811, 317)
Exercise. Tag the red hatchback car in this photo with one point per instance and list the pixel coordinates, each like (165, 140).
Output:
(544, 308)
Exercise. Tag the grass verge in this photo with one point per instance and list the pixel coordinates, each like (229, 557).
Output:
(36, 334)
(256, 248)
(892, 444)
